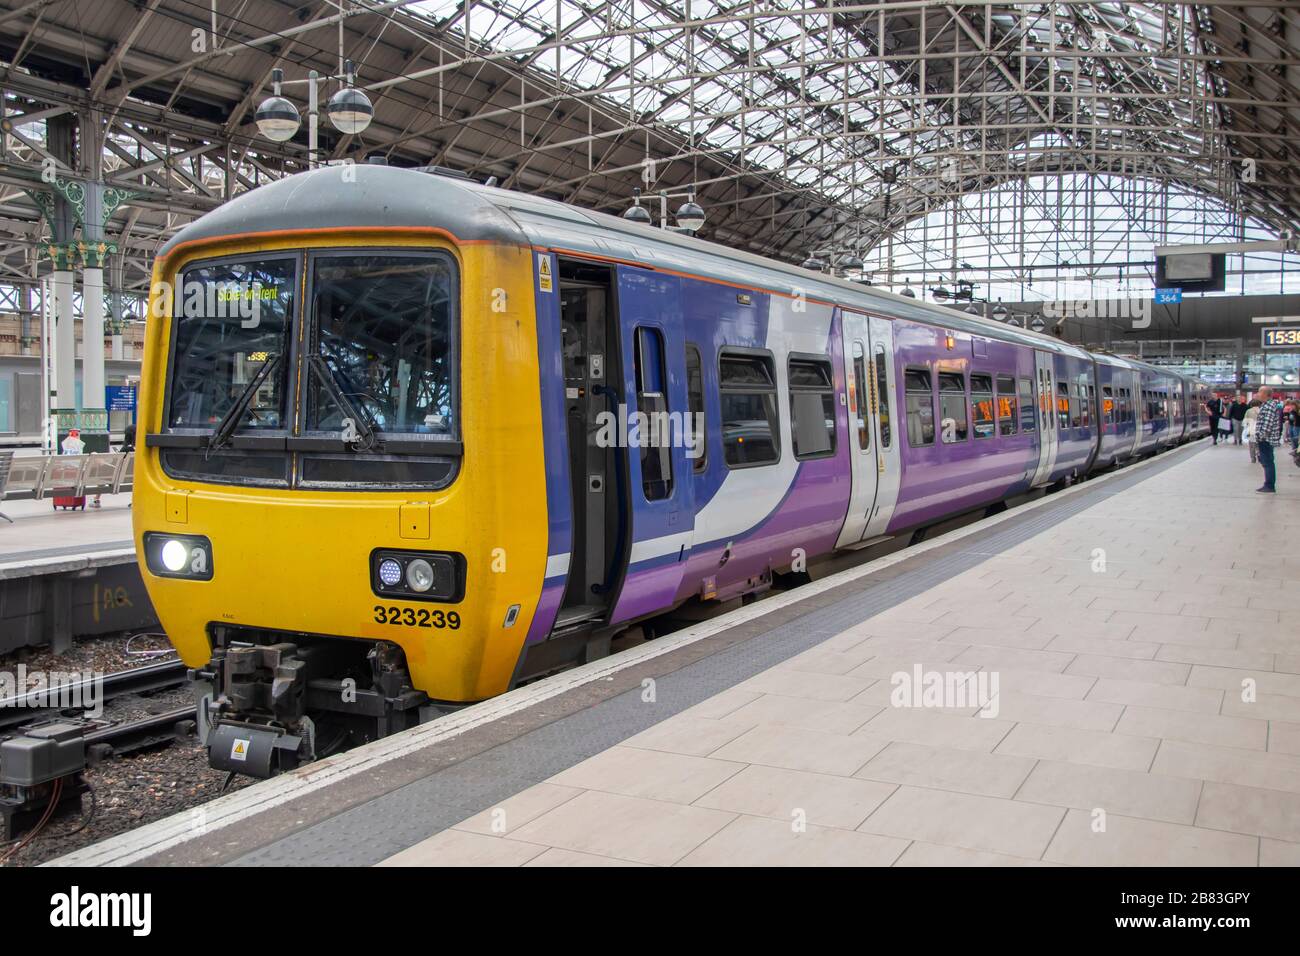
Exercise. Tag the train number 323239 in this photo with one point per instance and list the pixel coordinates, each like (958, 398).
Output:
(411, 617)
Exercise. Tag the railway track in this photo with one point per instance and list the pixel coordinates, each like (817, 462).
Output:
(26, 708)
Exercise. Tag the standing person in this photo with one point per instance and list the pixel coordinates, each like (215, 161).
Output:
(1291, 416)
(1237, 413)
(1268, 427)
(1248, 426)
(1215, 409)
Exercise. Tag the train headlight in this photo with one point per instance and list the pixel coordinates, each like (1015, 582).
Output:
(175, 555)
(417, 575)
(178, 556)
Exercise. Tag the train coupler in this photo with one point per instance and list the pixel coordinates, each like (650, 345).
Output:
(270, 699)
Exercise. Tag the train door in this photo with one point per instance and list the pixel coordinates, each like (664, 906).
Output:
(1045, 380)
(862, 439)
(590, 347)
(660, 487)
(1139, 410)
(874, 458)
(883, 405)
(1097, 420)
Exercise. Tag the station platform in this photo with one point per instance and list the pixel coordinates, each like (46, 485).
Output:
(42, 540)
(1121, 671)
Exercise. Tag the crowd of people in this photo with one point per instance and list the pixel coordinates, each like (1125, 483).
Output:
(1263, 423)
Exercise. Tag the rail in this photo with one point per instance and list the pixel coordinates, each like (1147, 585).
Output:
(41, 476)
(28, 707)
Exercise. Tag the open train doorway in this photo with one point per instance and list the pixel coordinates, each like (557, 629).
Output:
(590, 342)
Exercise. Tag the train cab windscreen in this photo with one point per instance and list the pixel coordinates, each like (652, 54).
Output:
(232, 321)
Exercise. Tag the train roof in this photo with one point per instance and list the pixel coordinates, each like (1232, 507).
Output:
(1127, 361)
(365, 196)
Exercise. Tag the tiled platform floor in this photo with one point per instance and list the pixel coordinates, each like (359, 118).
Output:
(39, 529)
(1147, 654)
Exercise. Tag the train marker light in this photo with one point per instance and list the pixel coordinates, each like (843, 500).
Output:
(390, 572)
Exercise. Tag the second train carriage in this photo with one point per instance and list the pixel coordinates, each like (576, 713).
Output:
(414, 473)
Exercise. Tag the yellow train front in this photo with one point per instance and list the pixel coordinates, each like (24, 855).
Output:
(340, 497)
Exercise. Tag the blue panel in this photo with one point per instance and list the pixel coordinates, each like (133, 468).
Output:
(555, 430)
(715, 316)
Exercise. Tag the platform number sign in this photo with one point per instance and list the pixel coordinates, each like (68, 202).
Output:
(1281, 337)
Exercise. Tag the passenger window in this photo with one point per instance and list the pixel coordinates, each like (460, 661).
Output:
(698, 450)
(981, 403)
(952, 407)
(655, 434)
(1107, 405)
(747, 395)
(880, 395)
(860, 393)
(920, 407)
(1007, 413)
(1076, 419)
(1027, 417)
(812, 408)
(1063, 404)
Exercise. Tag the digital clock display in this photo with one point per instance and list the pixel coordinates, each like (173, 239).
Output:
(1282, 337)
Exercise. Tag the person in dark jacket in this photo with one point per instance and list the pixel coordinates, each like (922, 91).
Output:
(1215, 409)
(1291, 421)
(1237, 413)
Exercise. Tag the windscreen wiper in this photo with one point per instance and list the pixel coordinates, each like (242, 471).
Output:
(365, 439)
(235, 414)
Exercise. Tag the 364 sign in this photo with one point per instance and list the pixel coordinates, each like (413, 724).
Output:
(1281, 337)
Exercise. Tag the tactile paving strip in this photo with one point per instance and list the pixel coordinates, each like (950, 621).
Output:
(373, 831)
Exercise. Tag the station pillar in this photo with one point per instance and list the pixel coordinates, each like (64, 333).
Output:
(94, 414)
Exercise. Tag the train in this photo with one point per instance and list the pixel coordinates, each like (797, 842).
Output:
(408, 440)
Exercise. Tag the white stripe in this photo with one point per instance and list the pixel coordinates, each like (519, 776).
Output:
(556, 565)
(172, 831)
(658, 547)
(31, 567)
